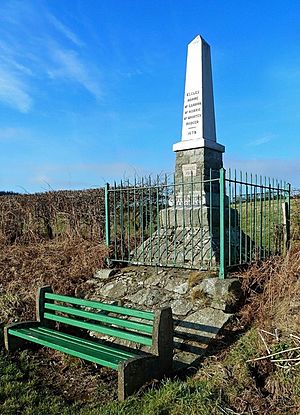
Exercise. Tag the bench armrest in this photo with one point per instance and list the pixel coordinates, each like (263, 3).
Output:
(162, 338)
(13, 343)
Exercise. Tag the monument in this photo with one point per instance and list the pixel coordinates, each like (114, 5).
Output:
(191, 223)
(198, 161)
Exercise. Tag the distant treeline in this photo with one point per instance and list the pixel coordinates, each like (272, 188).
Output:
(2, 193)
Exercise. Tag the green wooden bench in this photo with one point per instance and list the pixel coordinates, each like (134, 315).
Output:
(152, 330)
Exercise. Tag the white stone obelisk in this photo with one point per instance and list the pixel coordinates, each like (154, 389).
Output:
(198, 123)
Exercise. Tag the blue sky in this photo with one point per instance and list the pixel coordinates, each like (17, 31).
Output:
(92, 91)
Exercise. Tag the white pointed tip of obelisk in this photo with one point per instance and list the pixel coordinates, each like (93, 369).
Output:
(197, 39)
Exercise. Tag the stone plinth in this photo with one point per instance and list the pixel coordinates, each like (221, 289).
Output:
(197, 217)
(181, 247)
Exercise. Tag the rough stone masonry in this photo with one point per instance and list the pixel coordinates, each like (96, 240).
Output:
(201, 305)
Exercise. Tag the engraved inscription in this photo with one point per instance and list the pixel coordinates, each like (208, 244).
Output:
(188, 200)
(192, 111)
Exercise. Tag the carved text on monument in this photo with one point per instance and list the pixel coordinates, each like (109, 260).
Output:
(192, 111)
(191, 199)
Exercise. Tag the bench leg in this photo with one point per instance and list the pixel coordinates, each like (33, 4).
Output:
(12, 342)
(135, 372)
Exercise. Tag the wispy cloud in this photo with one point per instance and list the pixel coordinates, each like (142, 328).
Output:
(288, 169)
(43, 53)
(12, 133)
(83, 175)
(65, 30)
(260, 141)
(286, 72)
(14, 91)
(71, 67)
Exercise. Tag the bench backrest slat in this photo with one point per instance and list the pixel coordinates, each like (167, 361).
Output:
(146, 315)
(120, 322)
(153, 329)
(122, 334)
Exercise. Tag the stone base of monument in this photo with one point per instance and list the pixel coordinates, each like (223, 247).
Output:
(201, 305)
(189, 247)
(188, 237)
(193, 217)
(195, 247)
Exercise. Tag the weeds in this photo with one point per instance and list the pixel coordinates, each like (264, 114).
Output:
(231, 381)
(272, 289)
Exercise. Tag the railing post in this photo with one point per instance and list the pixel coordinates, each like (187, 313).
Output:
(286, 207)
(222, 269)
(107, 215)
(289, 217)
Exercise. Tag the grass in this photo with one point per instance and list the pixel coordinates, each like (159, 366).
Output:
(221, 386)
(47, 382)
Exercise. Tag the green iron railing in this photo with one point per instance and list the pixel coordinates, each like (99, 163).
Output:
(216, 222)
(257, 220)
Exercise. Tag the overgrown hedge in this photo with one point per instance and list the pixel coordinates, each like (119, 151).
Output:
(56, 214)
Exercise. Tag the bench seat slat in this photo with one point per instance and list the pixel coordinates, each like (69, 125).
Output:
(147, 315)
(133, 325)
(90, 344)
(122, 334)
(102, 358)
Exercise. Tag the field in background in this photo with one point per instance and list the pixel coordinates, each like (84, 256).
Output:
(46, 382)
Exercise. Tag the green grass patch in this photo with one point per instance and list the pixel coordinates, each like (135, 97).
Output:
(220, 385)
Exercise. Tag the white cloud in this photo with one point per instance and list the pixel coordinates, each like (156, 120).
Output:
(286, 72)
(72, 68)
(14, 91)
(32, 48)
(259, 141)
(115, 170)
(65, 30)
(84, 175)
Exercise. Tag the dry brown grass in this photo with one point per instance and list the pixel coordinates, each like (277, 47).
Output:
(273, 290)
(52, 215)
(66, 265)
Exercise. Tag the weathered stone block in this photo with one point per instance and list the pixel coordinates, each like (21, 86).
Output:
(104, 274)
(198, 217)
(181, 306)
(225, 294)
(193, 333)
(114, 289)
